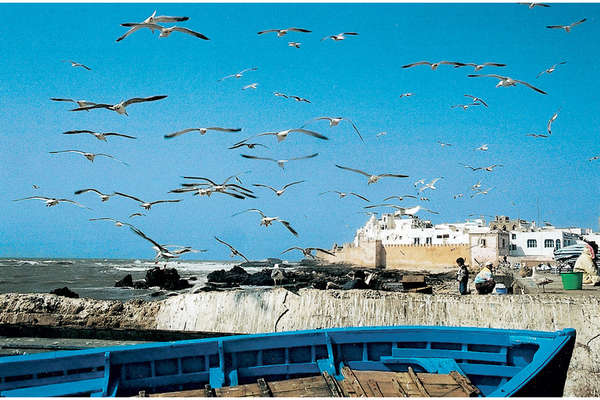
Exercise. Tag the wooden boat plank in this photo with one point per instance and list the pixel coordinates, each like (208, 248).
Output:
(301, 387)
(465, 384)
(374, 388)
(354, 382)
(418, 383)
(334, 388)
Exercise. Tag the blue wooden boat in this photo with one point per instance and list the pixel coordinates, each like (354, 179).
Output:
(498, 362)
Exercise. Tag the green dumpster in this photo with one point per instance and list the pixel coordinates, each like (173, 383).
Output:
(572, 280)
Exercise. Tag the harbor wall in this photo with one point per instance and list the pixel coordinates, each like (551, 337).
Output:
(280, 310)
(423, 256)
(367, 254)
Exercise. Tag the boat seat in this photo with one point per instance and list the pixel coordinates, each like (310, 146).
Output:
(83, 387)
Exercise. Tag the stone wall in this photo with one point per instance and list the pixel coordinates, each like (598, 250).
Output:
(423, 256)
(368, 254)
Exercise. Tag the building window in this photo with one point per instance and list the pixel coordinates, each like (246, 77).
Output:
(513, 236)
(416, 240)
(513, 247)
(482, 242)
(428, 240)
(558, 243)
(531, 243)
(503, 243)
(548, 243)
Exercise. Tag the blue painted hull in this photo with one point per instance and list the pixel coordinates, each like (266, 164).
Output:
(499, 362)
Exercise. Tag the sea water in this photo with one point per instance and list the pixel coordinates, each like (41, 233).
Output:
(95, 278)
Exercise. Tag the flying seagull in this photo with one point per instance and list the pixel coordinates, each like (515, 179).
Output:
(486, 191)
(430, 185)
(307, 251)
(480, 66)
(340, 36)
(103, 196)
(294, 44)
(594, 158)
(334, 121)
(35, 186)
(80, 103)
(137, 215)
(250, 86)
(476, 99)
(116, 221)
(164, 32)
(239, 74)
(278, 192)
(536, 135)
(234, 252)
(120, 107)
(444, 144)
(406, 94)
(483, 147)
(202, 131)
(51, 201)
(99, 135)
(249, 145)
(344, 194)
(506, 81)
(76, 64)
(162, 251)
(532, 5)
(281, 163)
(281, 32)
(465, 106)
(551, 69)
(161, 18)
(433, 65)
(281, 135)
(567, 28)
(491, 167)
(550, 121)
(372, 178)
(404, 210)
(469, 166)
(400, 197)
(145, 204)
(89, 156)
(266, 221)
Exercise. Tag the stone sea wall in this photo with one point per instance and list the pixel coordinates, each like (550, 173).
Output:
(258, 310)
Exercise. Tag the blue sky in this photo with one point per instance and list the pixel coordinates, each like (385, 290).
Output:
(359, 78)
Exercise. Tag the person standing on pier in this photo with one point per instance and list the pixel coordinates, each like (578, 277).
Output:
(462, 276)
(484, 281)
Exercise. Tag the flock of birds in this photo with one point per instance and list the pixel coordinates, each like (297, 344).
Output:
(233, 186)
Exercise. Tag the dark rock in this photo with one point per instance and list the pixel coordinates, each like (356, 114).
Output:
(167, 278)
(261, 278)
(140, 285)
(355, 284)
(192, 278)
(156, 294)
(125, 282)
(65, 292)
(235, 275)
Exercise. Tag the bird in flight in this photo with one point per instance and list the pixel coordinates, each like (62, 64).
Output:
(340, 36)
(137, 215)
(162, 251)
(281, 163)
(249, 145)
(89, 156)
(551, 69)
(250, 86)
(430, 185)
(278, 192)
(506, 81)
(433, 65)
(35, 186)
(486, 191)
(294, 44)
(281, 32)
(146, 204)
(103, 196)
(120, 107)
(344, 194)
(476, 99)
(164, 31)
(483, 147)
(116, 221)
(307, 251)
(458, 195)
(406, 94)
(444, 144)
(480, 66)
(266, 221)
(51, 201)
(334, 121)
(532, 5)
(281, 135)
(161, 18)
(469, 166)
(404, 210)
(372, 178)
(76, 64)
(400, 197)
(202, 131)
(98, 135)
(234, 252)
(465, 106)
(491, 167)
(594, 158)
(567, 28)
(80, 103)
(239, 74)
(536, 135)
(551, 120)
(381, 134)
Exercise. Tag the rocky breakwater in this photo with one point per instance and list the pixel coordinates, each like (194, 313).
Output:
(53, 310)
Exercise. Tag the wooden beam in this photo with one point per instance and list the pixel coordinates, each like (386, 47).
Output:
(418, 383)
(399, 387)
(349, 374)
(465, 384)
(374, 388)
(332, 385)
(265, 390)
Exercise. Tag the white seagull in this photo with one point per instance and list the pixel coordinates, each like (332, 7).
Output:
(480, 66)
(372, 178)
(281, 163)
(334, 121)
(465, 106)
(162, 251)
(51, 201)
(567, 28)
(239, 74)
(344, 194)
(146, 204)
(483, 147)
(404, 210)
(76, 64)
(120, 107)
(161, 18)
(532, 5)
(594, 158)
(202, 131)
(536, 135)
(234, 252)
(294, 44)
(476, 99)
(89, 156)
(138, 214)
(277, 274)
(164, 32)
(550, 121)
(98, 135)
(250, 86)
(340, 36)
(406, 94)
(506, 81)
(266, 221)
(281, 135)
(444, 144)
(278, 192)
(430, 185)
(281, 32)
(551, 69)
(103, 196)
(400, 197)
(433, 65)
(486, 191)
(116, 221)
(80, 103)
(307, 251)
